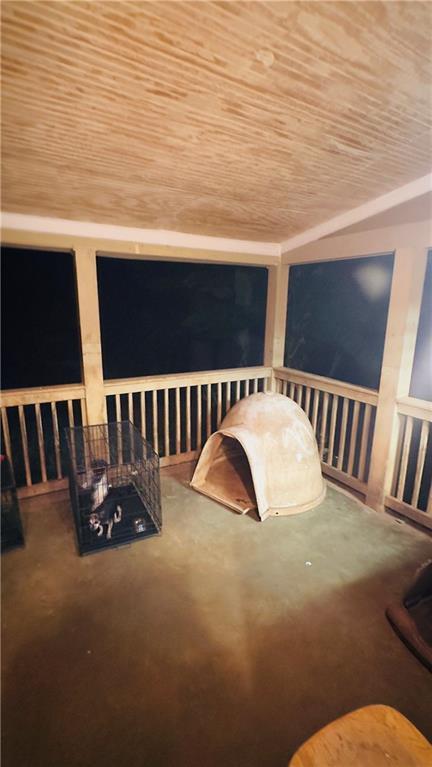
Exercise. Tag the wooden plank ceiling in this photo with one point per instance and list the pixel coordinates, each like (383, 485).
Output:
(254, 120)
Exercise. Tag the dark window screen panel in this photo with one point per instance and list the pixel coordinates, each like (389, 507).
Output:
(163, 317)
(421, 381)
(337, 314)
(40, 332)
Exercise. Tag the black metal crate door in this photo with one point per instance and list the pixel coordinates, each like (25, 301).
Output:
(114, 485)
(11, 525)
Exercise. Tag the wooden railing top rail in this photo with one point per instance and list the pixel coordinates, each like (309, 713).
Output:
(417, 408)
(331, 385)
(41, 394)
(176, 380)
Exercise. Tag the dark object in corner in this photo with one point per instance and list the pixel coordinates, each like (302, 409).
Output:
(11, 526)
(412, 619)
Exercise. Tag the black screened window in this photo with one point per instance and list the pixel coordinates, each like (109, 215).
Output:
(40, 333)
(337, 314)
(421, 382)
(164, 317)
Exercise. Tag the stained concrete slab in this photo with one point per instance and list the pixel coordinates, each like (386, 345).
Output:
(215, 644)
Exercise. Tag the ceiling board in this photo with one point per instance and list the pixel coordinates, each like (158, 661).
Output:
(250, 120)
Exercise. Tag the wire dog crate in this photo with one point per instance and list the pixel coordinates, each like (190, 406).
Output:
(11, 526)
(114, 485)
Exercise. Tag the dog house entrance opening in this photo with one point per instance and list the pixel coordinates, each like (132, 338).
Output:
(229, 477)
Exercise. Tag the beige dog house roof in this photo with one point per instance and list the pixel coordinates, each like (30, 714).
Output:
(263, 457)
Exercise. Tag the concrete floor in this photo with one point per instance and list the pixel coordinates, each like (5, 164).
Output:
(213, 645)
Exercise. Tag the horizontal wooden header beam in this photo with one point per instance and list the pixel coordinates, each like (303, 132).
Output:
(137, 250)
(371, 242)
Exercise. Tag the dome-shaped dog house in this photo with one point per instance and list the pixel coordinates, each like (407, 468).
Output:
(263, 457)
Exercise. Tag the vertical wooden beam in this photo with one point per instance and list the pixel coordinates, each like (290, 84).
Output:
(88, 304)
(399, 346)
(276, 313)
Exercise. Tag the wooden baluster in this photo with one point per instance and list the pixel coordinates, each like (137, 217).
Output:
(40, 437)
(143, 415)
(24, 440)
(342, 438)
(398, 452)
(353, 438)
(177, 420)
(315, 409)
(307, 401)
(334, 409)
(208, 424)
(247, 388)
(83, 412)
(166, 422)
(130, 408)
(228, 396)
(199, 417)
(118, 417)
(420, 463)
(298, 394)
(364, 442)
(237, 391)
(254, 385)
(284, 388)
(188, 419)
(404, 459)
(219, 405)
(155, 421)
(323, 428)
(56, 439)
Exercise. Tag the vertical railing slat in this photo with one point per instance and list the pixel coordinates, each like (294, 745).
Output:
(143, 415)
(342, 438)
(315, 409)
(199, 417)
(307, 401)
(188, 419)
(364, 441)
(420, 463)
(334, 409)
(118, 416)
(208, 421)
(228, 396)
(40, 436)
(323, 429)
(130, 408)
(237, 391)
(177, 420)
(166, 422)
(353, 437)
(56, 439)
(219, 404)
(24, 440)
(155, 421)
(404, 458)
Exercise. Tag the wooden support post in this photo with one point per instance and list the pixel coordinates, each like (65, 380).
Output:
(88, 304)
(399, 346)
(277, 298)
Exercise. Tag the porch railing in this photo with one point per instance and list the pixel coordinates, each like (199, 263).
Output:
(342, 416)
(411, 489)
(32, 424)
(176, 414)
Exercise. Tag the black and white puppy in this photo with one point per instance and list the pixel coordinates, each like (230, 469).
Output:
(105, 510)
